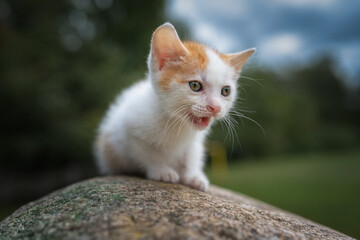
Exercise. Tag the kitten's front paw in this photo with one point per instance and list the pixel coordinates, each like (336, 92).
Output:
(199, 182)
(164, 174)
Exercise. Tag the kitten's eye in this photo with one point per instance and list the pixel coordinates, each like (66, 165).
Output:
(225, 91)
(195, 86)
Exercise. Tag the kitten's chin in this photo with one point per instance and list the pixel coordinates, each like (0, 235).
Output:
(200, 122)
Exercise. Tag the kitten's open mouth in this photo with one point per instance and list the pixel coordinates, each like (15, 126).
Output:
(200, 122)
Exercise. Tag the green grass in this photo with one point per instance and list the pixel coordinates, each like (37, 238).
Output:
(322, 187)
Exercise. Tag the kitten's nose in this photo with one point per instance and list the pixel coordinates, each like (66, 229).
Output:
(214, 109)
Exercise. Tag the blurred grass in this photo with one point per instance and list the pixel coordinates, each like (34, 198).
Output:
(323, 187)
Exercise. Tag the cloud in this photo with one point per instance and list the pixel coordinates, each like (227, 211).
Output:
(283, 45)
(307, 3)
(284, 30)
(349, 63)
(214, 37)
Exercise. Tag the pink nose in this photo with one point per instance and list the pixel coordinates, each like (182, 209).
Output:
(213, 109)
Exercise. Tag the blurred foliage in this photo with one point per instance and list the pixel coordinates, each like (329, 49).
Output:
(63, 62)
(304, 109)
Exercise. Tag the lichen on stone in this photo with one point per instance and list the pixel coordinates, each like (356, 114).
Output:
(122, 207)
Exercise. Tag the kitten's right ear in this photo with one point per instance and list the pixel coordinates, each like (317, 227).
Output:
(166, 46)
(237, 60)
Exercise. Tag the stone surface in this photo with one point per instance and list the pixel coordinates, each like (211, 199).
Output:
(133, 208)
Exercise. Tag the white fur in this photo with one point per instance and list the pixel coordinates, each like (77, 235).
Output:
(218, 75)
(147, 128)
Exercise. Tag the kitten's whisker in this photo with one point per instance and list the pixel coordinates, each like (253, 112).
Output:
(249, 67)
(237, 114)
(253, 79)
(172, 117)
(235, 128)
(182, 122)
(232, 135)
(179, 108)
(242, 88)
(222, 126)
(230, 130)
(252, 120)
(241, 99)
(177, 120)
(246, 111)
(240, 110)
(227, 133)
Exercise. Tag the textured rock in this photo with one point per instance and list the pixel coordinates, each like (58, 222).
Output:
(132, 208)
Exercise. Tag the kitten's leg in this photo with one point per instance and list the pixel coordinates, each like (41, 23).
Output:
(152, 162)
(158, 168)
(162, 173)
(196, 180)
(192, 174)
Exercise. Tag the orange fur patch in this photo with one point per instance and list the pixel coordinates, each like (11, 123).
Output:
(194, 62)
(197, 52)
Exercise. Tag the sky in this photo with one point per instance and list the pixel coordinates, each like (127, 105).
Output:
(283, 31)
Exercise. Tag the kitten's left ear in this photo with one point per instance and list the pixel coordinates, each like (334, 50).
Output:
(237, 60)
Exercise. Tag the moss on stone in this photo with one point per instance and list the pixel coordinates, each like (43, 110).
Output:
(133, 208)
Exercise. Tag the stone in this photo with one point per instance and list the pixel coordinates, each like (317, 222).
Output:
(123, 207)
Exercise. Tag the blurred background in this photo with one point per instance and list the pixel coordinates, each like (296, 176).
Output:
(63, 62)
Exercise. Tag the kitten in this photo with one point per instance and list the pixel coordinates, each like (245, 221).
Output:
(158, 126)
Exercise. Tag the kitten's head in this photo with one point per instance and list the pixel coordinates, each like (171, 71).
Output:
(194, 82)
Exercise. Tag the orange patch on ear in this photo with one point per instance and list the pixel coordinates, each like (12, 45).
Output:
(196, 61)
(168, 74)
(198, 54)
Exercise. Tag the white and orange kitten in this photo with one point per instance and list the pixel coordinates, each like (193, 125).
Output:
(158, 126)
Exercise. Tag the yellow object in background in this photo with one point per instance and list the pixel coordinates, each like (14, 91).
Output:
(218, 158)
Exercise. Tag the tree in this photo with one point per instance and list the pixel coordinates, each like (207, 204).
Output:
(61, 63)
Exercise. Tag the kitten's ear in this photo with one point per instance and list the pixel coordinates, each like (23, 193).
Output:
(237, 60)
(166, 46)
